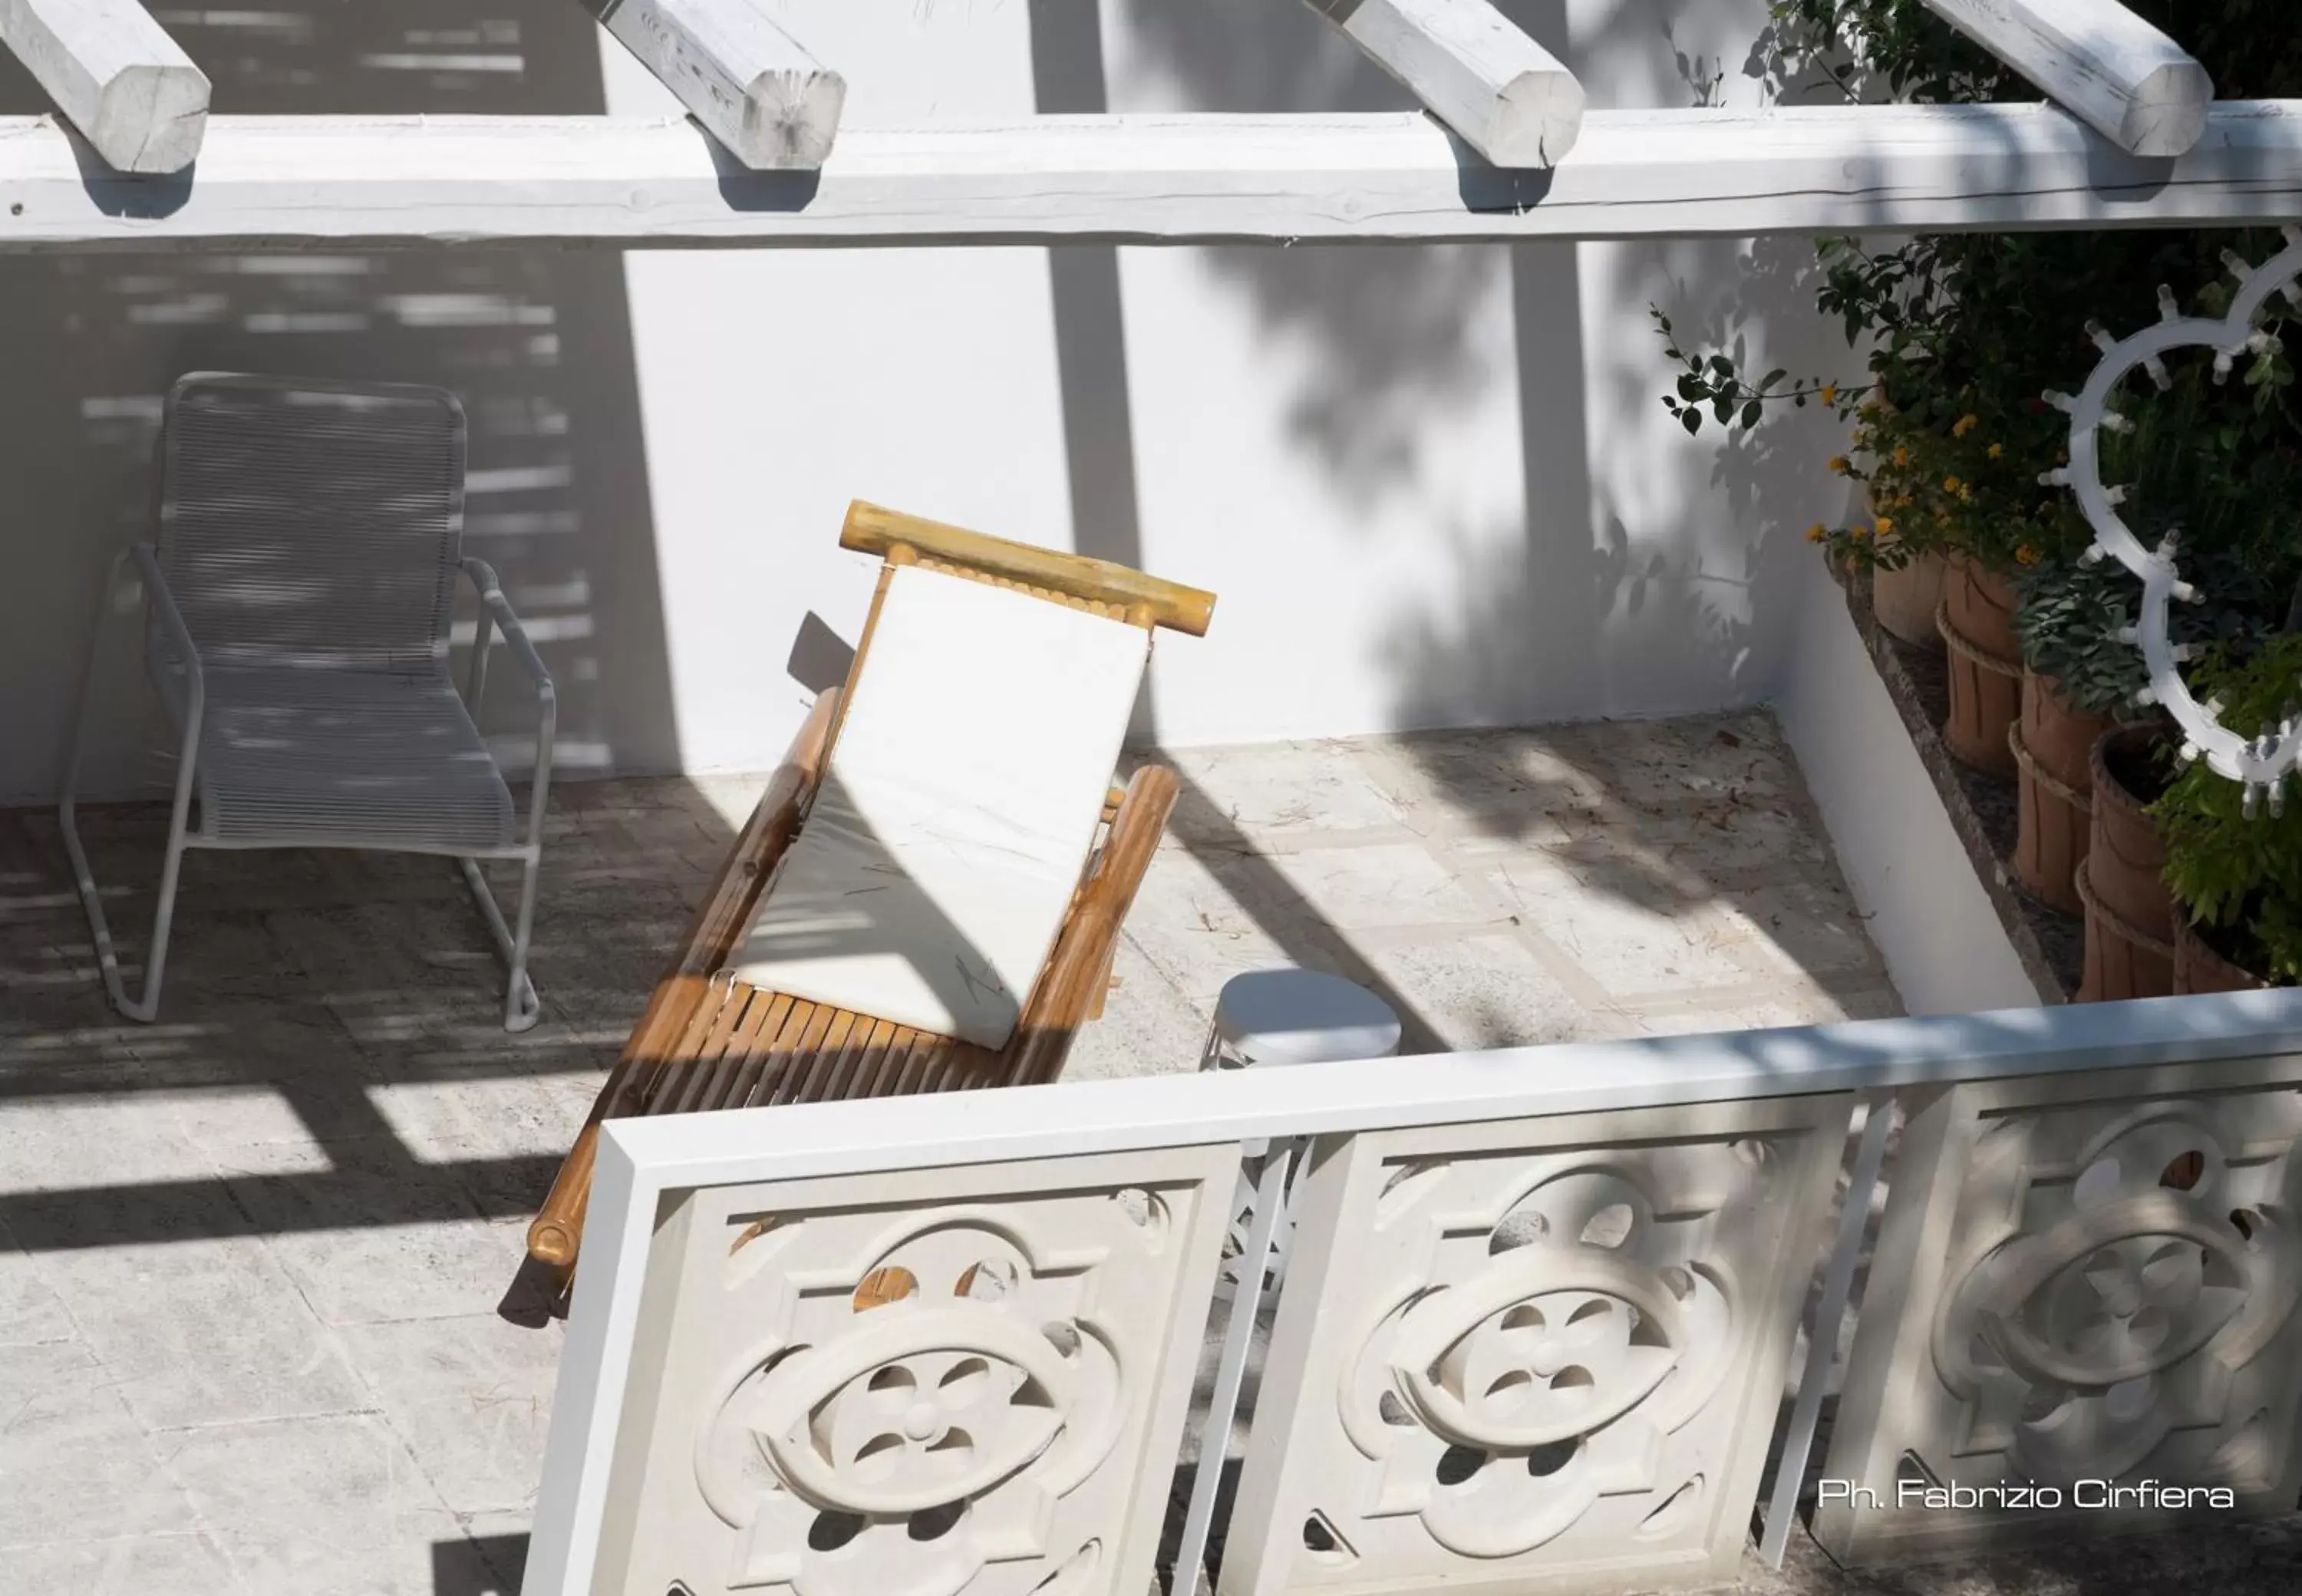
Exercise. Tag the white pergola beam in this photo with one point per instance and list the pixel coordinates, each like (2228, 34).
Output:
(116, 76)
(1504, 94)
(751, 85)
(295, 181)
(2099, 61)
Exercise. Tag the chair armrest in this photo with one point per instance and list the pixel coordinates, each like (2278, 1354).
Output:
(172, 619)
(1081, 964)
(491, 591)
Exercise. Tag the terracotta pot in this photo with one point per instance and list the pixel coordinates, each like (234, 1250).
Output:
(2197, 968)
(2121, 961)
(2061, 738)
(1981, 607)
(1986, 697)
(2130, 916)
(2053, 750)
(2125, 854)
(1906, 600)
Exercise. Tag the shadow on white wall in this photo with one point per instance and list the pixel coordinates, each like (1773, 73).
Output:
(536, 343)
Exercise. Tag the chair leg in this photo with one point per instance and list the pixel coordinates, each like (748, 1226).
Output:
(146, 1008)
(521, 1007)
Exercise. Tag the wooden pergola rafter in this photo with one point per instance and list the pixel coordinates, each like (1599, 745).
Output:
(115, 75)
(2132, 137)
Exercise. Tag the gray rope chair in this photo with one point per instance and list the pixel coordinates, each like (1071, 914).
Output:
(298, 606)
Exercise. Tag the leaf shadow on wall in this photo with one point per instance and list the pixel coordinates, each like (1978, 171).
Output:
(1594, 594)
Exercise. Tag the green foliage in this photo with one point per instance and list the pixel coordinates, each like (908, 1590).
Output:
(2223, 461)
(2070, 618)
(2068, 622)
(1978, 325)
(2240, 879)
(2225, 477)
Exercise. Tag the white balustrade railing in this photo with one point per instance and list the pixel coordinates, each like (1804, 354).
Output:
(1536, 1334)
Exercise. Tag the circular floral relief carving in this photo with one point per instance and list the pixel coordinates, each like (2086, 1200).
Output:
(2075, 1347)
(1503, 1404)
(919, 1420)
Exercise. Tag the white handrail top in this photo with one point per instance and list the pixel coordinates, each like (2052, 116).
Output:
(1113, 1116)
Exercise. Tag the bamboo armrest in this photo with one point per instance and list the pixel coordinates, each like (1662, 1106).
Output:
(1075, 973)
(683, 987)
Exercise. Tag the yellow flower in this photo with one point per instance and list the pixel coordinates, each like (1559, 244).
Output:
(1965, 493)
(1950, 485)
(1815, 533)
(1902, 455)
(1995, 451)
(1840, 465)
(1965, 424)
(2026, 556)
(1830, 393)
(1885, 524)
(1858, 532)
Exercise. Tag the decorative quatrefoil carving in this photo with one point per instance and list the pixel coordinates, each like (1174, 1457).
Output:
(914, 1420)
(2121, 1308)
(2262, 761)
(1504, 1401)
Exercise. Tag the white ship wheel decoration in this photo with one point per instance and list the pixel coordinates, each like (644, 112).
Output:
(2262, 763)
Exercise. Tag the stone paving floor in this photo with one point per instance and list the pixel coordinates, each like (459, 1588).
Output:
(251, 1256)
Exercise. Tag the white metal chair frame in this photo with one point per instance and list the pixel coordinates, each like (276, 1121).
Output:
(521, 1007)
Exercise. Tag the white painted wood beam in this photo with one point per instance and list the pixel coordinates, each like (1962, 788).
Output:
(291, 181)
(1504, 94)
(2099, 61)
(751, 85)
(116, 76)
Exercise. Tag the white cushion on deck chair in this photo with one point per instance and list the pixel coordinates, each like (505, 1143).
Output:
(933, 873)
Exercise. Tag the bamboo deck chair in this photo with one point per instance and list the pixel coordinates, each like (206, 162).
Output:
(928, 895)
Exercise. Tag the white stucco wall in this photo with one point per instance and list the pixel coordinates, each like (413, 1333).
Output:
(1431, 486)
(1911, 878)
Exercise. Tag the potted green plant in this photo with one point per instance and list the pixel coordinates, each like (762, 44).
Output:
(2092, 765)
(2216, 459)
(2079, 675)
(2205, 458)
(2236, 877)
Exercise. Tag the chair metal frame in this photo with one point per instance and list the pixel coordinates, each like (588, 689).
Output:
(522, 1006)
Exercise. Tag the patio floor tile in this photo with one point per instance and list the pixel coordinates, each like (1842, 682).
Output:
(469, 1397)
(74, 1465)
(320, 1507)
(1460, 984)
(203, 1331)
(186, 1563)
(391, 1241)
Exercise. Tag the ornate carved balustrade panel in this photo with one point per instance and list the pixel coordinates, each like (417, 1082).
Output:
(916, 1383)
(1533, 1355)
(2081, 1284)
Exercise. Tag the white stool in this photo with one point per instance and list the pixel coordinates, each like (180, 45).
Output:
(1297, 1017)
(1270, 1017)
